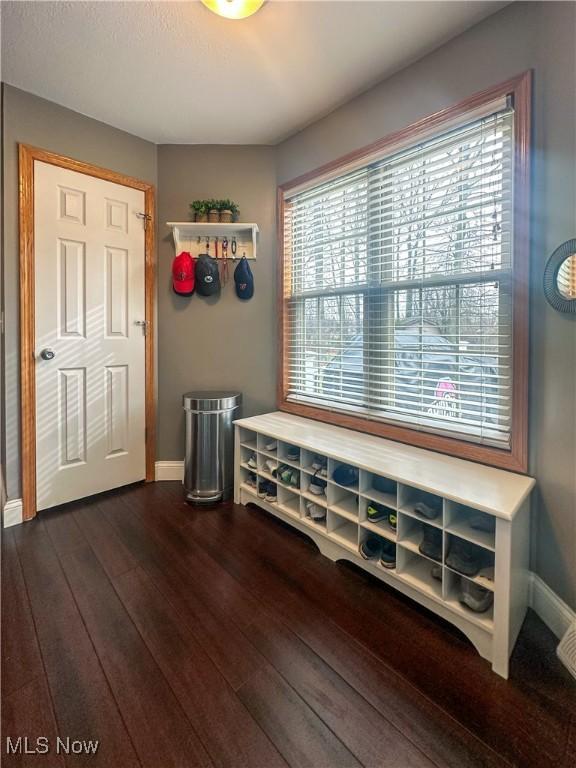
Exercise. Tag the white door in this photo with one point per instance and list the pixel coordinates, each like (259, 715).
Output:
(90, 339)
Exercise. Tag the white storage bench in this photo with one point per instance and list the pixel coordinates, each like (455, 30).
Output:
(463, 487)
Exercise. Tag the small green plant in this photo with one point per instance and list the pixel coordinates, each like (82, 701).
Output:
(228, 205)
(199, 207)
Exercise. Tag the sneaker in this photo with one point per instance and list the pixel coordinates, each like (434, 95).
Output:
(319, 462)
(376, 512)
(252, 461)
(393, 520)
(252, 480)
(271, 494)
(427, 511)
(464, 557)
(315, 512)
(436, 572)
(384, 485)
(482, 522)
(293, 453)
(431, 544)
(388, 555)
(475, 597)
(345, 475)
(284, 473)
(371, 548)
(262, 488)
(271, 466)
(271, 446)
(317, 486)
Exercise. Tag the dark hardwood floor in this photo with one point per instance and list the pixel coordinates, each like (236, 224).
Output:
(178, 636)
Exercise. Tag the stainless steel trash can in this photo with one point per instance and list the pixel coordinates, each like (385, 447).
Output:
(209, 461)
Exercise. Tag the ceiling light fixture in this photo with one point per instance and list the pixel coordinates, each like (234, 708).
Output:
(234, 9)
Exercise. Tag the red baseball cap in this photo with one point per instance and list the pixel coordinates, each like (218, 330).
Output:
(183, 269)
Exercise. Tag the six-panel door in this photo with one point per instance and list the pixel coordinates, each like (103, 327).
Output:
(90, 347)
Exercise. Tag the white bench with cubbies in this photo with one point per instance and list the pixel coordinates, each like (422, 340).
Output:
(476, 512)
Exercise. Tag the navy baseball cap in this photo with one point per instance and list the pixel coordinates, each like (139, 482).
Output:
(244, 279)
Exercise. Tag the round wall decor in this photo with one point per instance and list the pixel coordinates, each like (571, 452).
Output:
(560, 278)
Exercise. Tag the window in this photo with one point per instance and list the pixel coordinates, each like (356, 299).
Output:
(399, 289)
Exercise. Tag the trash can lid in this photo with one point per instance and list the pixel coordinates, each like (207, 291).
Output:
(209, 400)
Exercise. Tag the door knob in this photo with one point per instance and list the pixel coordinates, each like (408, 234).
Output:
(47, 354)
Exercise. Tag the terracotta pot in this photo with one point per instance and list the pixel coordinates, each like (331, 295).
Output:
(226, 216)
(214, 216)
(201, 217)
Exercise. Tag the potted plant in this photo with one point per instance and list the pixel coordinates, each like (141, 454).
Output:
(228, 211)
(213, 211)
(199, 210)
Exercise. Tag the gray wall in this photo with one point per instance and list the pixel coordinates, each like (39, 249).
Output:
(30, 120)
(522, 36)
(203, 342)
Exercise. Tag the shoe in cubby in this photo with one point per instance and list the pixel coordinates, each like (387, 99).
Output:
(288, 453)
(248, 480)
(314, 463)
(421, 505)
(469, 559)
(470, 524)
(315, 513)
(248, 458)
(345, 475)
(288, 476)
(314, 488)
(268, 445)
(379, 489)
(378, 518)
(470, 599)
(420, 538)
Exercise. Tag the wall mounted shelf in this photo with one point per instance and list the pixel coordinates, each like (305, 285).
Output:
(191, 236)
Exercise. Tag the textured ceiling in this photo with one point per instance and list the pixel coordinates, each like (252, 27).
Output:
(176, 73)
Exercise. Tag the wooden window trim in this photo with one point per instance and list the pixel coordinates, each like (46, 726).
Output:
(519, 89)
(27, 155)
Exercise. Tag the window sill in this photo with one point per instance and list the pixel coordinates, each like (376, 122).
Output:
(511, 460)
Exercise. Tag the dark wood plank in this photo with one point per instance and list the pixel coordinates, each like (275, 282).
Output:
(114, 557)
(21, 660)
(27, 714)
(143, 694)
(437, 734)
(516, 724)
(83, 703)
(228, 732)
(370, 737)
(300, 735)
(164, 519)
(220, 638)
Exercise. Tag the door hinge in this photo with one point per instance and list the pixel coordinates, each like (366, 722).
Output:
(145, 218)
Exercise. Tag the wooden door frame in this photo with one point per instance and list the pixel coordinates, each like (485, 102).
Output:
(27, 155)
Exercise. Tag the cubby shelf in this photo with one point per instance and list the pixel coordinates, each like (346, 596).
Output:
(482, 507)
(379, 528)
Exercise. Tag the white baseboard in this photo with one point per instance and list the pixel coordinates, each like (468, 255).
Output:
(12, 514)
(550, 608)
(169, 470)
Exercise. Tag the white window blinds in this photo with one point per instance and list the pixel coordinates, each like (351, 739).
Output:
(398, 286)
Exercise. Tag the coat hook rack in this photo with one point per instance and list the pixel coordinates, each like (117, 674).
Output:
(224, 241)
